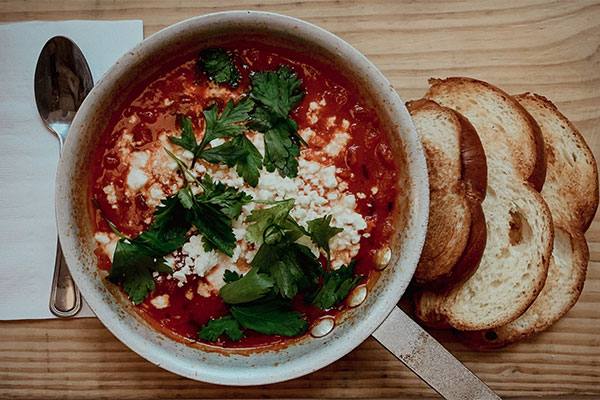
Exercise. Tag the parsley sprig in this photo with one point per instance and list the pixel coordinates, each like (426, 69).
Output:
(218, 65)
(238, 151)
(276, 94)
(135, 259)
(260, 300)
(273, 96)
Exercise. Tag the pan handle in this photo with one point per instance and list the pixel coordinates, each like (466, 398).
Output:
(427, 358)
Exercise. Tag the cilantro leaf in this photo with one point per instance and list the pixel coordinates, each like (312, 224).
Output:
(213, 330)
(133, 263)
(227, 199)
(336, 286)
(271, 318)
(219, 67)
(230, 276)
(321, 232)
(249, 287)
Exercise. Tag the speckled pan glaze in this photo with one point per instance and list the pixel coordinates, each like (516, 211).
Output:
(201, 362)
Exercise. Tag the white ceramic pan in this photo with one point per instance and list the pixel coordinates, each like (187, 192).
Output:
(236, 367)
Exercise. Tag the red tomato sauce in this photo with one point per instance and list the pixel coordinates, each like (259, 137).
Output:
(367, 161)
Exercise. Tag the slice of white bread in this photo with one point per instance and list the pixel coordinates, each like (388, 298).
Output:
(520, 233)
(571, 191)
(457, 181)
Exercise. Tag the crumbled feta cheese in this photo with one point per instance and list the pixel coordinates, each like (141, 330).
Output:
(136, 179)
(111, 195)
(156, 192)
(160, 302)
(374, 190)
(307, 134)
(337, 144)
(102, 237)
(361, 195)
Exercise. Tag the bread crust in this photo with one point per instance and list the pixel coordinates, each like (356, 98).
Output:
(517, 171)
(537, 173)
(584, 207)
(459, 257)
(572, 195)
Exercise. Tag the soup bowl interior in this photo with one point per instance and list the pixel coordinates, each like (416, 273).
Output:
(204, 362)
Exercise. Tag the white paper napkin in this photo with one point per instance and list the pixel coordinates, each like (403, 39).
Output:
(29, 156)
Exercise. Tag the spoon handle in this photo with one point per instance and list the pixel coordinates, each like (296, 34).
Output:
(65, 299)
(427, 358)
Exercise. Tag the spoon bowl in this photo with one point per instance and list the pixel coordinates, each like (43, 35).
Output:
(62, 80)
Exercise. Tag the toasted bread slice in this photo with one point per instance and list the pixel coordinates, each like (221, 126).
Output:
(457, 181)
(571, 191)
(520, 233)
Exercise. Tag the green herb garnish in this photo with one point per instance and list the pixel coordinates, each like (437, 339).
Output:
(321, 232)
(238, 151)
(249, 287)
(218, 65)
(270, 318)
(216, 327)
(276, 93)
(336, 286)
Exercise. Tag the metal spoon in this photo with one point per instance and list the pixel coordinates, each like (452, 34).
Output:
(62, 80)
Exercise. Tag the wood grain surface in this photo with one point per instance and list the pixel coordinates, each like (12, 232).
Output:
(550, 47)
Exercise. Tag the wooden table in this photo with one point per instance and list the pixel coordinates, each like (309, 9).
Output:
(550, 47)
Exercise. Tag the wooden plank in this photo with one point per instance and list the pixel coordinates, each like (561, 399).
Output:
(549, 47)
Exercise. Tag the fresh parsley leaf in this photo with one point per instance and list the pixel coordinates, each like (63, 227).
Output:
(239, 151)
(227, 199)
(213, 330)
(276, 94)
(279, 91)
(271, 318)
(278, 214)
(168, 230)
(281, 151)
(188, 138)
(215, 227)
(248, 167)
(218, 65)
(229, 124)
(249, 287)
(292, 266)
(133, 263)
(210, 211)
(336, 286)
(228, 153)
(321, 231)
(230, 276)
